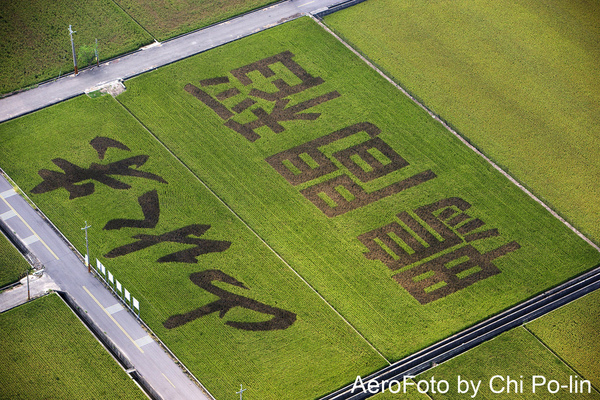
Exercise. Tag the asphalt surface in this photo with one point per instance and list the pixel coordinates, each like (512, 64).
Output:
(70, 275)
(156, 55)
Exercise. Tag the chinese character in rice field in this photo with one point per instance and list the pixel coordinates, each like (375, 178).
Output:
(440, 226)
(73, 177)
(281, 319)
(187, 235)
(364, 162)
(150, 208)
(269, 104)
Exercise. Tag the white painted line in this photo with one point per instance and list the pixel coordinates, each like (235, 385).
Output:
(31, 239)
(8, 193)
(113, 320)
(7, 215)
(114, 309)
(144, 341)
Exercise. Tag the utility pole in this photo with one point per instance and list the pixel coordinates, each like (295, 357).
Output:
(87, 247)
(28, 295)
(96, 51)
(71, 32)
(241, 391)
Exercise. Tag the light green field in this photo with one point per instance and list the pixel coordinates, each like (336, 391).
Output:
(516, 354)
(325, 251)
(519, 79)
(12, 264)
(316, 354)
(572, 333)
(168, 18)
(35, 43)
(47, 353)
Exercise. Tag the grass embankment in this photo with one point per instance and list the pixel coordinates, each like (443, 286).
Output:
(166, 19)
(35, 43)
(12, 264)
(325, 250)
(519, 79)
(315, 355)
(47, 353)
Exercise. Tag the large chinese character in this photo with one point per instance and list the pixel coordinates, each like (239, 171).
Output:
(366, 161)
(282, 319)
(451, 272)
(280, 112)
(150, 208)
(73, 176)
(183, 235)
(433, 229)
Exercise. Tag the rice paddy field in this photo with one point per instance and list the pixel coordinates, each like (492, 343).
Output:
(35, 43)
(307, 346)
(46, 352)
(571, 332)
(279, 208)
(518, 79)
(516, 354)
(12, 264)
(165, 19)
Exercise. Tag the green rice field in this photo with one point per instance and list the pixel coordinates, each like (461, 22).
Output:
(306, 182)
(326, 351)
(47, 353)
(571, 332)
(325, 250)
(167, 18)
(518, 79)
(516, 355)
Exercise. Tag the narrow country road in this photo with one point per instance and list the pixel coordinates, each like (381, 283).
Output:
(157, 55)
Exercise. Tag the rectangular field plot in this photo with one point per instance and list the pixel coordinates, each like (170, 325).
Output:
(47, 353)
(220, 299)
(519, 79)
(406, 232)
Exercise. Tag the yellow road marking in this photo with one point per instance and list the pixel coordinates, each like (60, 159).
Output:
(168, 379)
(111, 317)
(27, 225)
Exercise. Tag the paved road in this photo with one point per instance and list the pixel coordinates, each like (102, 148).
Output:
(69, 273)
(157, 55)
(39, 284)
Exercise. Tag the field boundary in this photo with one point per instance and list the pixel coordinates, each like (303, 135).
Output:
(553, 352)
(255, 233)
(457, 135)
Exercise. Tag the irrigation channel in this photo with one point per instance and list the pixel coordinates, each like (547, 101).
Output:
(473, 336)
